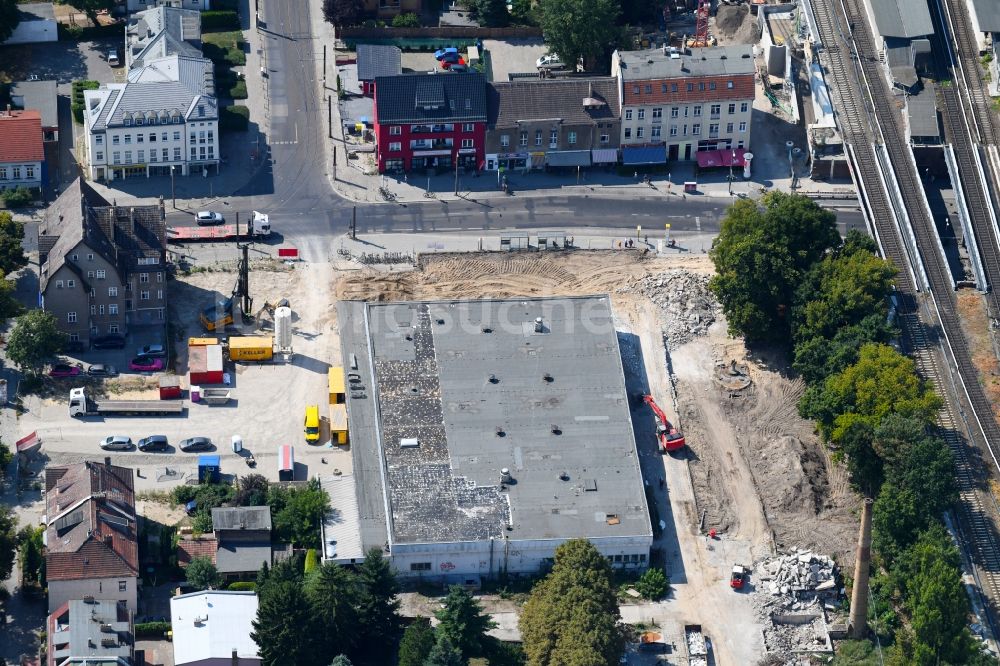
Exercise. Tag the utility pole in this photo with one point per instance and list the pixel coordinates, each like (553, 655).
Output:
(354, 223)
(324, 64)
(456, 174)
(173, 195)
(335, 162)
(329, 115)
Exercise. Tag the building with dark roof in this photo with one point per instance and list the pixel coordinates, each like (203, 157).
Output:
(103, 267)
(904, 19)
(375, 60)
(900, 29)
(162, 31)
(90, 632)
(678, 102)
(39, 96)
(488, 433)
(430, 121)
(37, 24)
(91, 549)
(244, 539)
(22, 151)
(536, 123)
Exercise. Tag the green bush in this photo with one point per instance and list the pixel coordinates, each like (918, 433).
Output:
(77, 33)
(151, 629)
(234, 119)
(77, 102)
(225, 49)
(238, 90)
(406, 21)
(18, 197)
(243, 586)
(218, 21)
(653, 584)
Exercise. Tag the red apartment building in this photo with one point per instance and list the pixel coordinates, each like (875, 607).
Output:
(430, 121)
(677, 103)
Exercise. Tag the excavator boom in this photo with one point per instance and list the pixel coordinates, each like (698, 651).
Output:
(669, 437)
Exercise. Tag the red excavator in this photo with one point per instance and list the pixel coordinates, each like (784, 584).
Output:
(670, 437)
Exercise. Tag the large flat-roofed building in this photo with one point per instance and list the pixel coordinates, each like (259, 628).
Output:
(486, 433)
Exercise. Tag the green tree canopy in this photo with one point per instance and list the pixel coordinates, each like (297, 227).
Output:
(334, 593)
(581, 29)
(445, 654)
(35, 339)
(283, 629)
(418, 640)
(8, 541)
(342, 12)
(817, 358)
(9, 18)
(492, 13)
(572, 614)
(341, 660)
(378, 608)
(463, 622)
(12, 255)
(653, 584)
(882, 382)
(857, 449)
(297, 511)
(761, 255)
(251, 490)
(202, 574)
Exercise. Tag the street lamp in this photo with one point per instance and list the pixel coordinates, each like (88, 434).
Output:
(173, 196)
(731, 160)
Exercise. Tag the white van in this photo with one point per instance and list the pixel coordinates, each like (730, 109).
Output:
(113, 58)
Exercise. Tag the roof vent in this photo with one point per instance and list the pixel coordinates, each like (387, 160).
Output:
(88, 599)
(201, 619)
(556, 430)
(563, 476)
(409, 443)
(505, 476)
(548, 378)
(501, 432)
(487, 329)
(494, 379)
(539, 325)
(439, 321)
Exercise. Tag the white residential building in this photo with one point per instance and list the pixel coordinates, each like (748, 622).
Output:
(160, 32)
(139, 5)
(163, 120)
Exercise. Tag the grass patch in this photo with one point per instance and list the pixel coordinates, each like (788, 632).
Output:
(224, 48)
(234, 119)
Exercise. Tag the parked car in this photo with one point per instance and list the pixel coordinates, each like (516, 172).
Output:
(102, 370)
(155, 351)
(113, 58)
(60, 370)
(458, 68)
(448, 64)
(451, 57)
(108, 342)
(153, 443)
(146, 364)
(116, 443)
(206, 217)
(195, 444)
(441, 53)
(550, 61)
(73, 346)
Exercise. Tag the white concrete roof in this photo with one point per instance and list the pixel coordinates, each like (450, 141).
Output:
(211, 624)
(341, 527)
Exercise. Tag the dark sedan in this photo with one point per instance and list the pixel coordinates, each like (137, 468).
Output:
(153, 443)
(192, 444)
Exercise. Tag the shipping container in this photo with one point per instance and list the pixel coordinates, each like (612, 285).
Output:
(335, 377)
(170, 387)
(202, 342)
(338, 423)
(205, 364)
(286, 463)
(247, 348)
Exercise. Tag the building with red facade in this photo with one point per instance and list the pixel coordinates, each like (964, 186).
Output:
(430, 121)
(676, 103)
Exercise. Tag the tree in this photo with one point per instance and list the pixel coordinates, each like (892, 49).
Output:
(202, 574)
(91, 7)
(297, 512)
(653, 584)
(342, 12)
(9, 18)
(5, 458)
(9, 305)
(761, 255)
(572, 614)
(492, 13)
(857, 446)
(523, 12)
(34, 339)
(463, 622)
(638, 12)
(341, 660)
(12, 255)
(8, 541)
(817, 358)
(581, 29)
(408, 20)
(882, 382)
(32, 552)
(284, 626)
(334, 593)
(251, 490)
(378, 607)
(445, 654)
(418, 640)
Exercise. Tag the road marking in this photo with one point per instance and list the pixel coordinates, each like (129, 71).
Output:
(697, 223)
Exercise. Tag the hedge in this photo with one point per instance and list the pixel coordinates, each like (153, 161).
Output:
(76, 104)
(243, 586)
(216, 21)
(234, 119)
(89, 33)
(151, 629)
(20, 196)
(238, 90)
(225, 49)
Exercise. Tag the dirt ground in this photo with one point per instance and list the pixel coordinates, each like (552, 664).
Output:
(734, 24)
(976, 327)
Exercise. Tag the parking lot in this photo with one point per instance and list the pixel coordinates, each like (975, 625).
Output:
(268, 399)
(515, 55)
(64, 61)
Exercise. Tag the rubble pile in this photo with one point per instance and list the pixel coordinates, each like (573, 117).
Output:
(791, 595)
(688, 307)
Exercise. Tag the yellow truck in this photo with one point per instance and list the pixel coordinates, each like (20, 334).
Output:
(338, 423)
(335, 378)
(311, 425)
(251, 348)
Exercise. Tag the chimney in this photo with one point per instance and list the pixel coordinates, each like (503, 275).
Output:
(857, 626)
(236, 658)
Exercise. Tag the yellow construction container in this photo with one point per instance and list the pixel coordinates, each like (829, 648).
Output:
(335, 378)
(338, 423)
(202, 342)
(247, 348)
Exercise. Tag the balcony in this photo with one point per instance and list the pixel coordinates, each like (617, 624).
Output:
(440, 144)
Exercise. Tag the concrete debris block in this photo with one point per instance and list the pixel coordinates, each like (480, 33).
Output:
(688, 307)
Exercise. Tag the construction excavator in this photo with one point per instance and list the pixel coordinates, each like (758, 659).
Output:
(670, 438)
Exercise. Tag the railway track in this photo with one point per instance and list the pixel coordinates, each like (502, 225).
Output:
(940, 323)
(986, 127)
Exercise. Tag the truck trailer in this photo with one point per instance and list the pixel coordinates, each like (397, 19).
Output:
(251, 348)
(258, 227)
(80, 405)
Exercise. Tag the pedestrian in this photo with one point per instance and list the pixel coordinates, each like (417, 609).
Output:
(619, 245)
(635, 175)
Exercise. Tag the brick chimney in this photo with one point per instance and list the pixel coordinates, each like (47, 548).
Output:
(857, 626)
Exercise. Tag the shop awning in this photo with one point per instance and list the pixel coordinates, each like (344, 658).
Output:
(568, 158)
(644, 155)
(708, 159)
(431, 153)
(604, 156)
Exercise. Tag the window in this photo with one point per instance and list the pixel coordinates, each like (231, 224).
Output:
(673, 87)
(93, 310)
(729, 128)
(628, 132)
(467, 143)
(504, 140)
(524, 139)
(420, 566)
(696, 129)
(684, 131)
(730, 85)
(115, 140)
(71, 284)
(29, 171)
(731, 109)
(59, 284)
(177, 136)
(697, 110)
(113, 308)
(112, 292)
(144, 295)
(3, 173)
(16, 172)
(618, 558)
(70, 317)
(101, 309)
(194, 153)
(138, 121)
(655, 133)
(635, 90)
(468, 104)
(142, 156)
(128, 139)
(657, 113)
(90, 257)
(605, 138)
(75, 257)
(139, 138)
(152, 137)
(554, 139)
(101, 275)
(74, 337)
(90, 274)
(165, 154)
(674, 111)
(701, 85)
(143, 278)
(99, 139)
(395, 146)
(163, 136)
(628, 114)
(649, 89)
(468, 127)
(715, 110)
(739, 144)
(122, 585)
(571, 138)
(128, 157)
(99, 156)
(152, 156)
(639, 132)
(201, 111)
(193, 138)
(113, 328)
(713, 130)
(743, 127)
(711, 85)
(211, 152)
(395, 130)
(117, 157)
(159, 294)
(538, 137)
(128, 122)
(128, 304)
(642, 114)
(177, 154)
(663, 88)
(673, 130)
(690, 87)
(744, 107)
